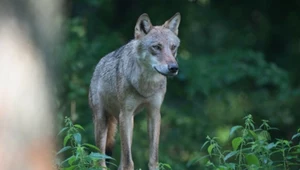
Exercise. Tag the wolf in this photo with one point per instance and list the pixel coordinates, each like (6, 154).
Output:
(132, 78)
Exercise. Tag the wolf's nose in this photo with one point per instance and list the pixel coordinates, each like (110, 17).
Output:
(173, 68)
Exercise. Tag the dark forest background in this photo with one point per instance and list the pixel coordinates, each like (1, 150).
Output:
(236, 58)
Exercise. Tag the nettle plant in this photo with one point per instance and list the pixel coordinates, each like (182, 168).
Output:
(78, 156)
(252, 149)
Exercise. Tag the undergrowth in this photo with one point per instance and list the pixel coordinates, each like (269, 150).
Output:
(76, 155)
(252, 148)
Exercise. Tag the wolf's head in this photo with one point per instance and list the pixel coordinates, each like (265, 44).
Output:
(158, 44)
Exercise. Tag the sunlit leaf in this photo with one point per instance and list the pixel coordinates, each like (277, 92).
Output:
(79, 127)
(92, 146)
(253, 134)
(252, 159)
(66, 139)
(210, 148)
(71, 159)
(236, 142)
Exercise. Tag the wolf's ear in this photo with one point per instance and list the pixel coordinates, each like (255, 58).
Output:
(173, 23)
(143, 26)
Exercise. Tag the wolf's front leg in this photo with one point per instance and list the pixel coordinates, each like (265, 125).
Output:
(100, 130)
(154, 131)
(126, 129)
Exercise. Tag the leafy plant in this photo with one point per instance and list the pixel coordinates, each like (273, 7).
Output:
(252, 148)
(164, 166)
(80, 155)
(81, 158)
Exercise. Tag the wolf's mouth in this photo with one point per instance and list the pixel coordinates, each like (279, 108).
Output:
(167, 73)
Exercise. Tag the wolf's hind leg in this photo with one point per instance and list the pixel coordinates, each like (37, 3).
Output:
(111, 131)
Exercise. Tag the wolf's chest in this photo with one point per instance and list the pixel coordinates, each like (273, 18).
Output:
(149, 86)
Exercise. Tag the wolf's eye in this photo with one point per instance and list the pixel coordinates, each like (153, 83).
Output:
(173, 47)
(156, 47)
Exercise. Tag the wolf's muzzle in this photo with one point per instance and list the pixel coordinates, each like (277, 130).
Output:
(167, 69)
(173, 68)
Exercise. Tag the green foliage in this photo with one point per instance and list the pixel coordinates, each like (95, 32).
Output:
(164, 166)
(252, 148)
(235, 57)
(224, 69)
(80, 155)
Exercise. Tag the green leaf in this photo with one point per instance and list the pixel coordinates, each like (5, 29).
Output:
(295, 136)
(209, 163)
(210, 148)
(110, 163)
(63, 149)
(71, 159)
(252, 159)
(254, 135)
(264, 135)
(287, 143)
(62, 130)
(92, 146)
(204, 144)
(291, 157)
(236, 142)
(196, 159)
(230, 154)
(270, 146)
(77, 138)
(79, 127)
(66, 139)
(164, 166)
(67, 160)
(98, 156)
(233, 129)
(167, 165)
(230, 166)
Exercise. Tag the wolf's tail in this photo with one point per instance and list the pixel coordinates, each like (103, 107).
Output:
(111, 131)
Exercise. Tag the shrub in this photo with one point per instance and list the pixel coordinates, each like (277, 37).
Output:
(78, 156)
(251, 148)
